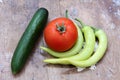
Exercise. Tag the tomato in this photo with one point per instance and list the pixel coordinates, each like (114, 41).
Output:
(60, 34)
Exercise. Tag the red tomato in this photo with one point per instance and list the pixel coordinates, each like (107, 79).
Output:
(60, 34)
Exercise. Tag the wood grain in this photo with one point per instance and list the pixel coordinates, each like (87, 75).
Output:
(15, 16)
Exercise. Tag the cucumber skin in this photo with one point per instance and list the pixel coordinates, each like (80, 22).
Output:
(28, 40)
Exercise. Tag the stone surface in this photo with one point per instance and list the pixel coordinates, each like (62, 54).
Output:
(15, 16)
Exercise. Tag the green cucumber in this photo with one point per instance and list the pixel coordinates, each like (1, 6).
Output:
(28, 40)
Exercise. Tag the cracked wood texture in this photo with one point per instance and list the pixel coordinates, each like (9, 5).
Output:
(15, 16)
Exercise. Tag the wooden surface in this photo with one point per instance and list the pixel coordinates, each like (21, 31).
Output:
(15, 16)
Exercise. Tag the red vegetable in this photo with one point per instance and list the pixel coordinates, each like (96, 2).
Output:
(60, 34)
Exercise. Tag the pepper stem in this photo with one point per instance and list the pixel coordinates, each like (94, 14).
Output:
(94, 29)
(82, 24)
(66, 14)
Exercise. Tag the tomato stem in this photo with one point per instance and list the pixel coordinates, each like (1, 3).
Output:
(61, 28)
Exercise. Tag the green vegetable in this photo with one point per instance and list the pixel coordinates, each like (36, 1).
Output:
(28, 40)
(74, 50)
(102, 38)
(85, 53)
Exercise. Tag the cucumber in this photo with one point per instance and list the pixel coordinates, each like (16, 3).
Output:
(28, 40)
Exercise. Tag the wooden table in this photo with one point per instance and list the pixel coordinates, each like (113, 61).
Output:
(15, 16)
